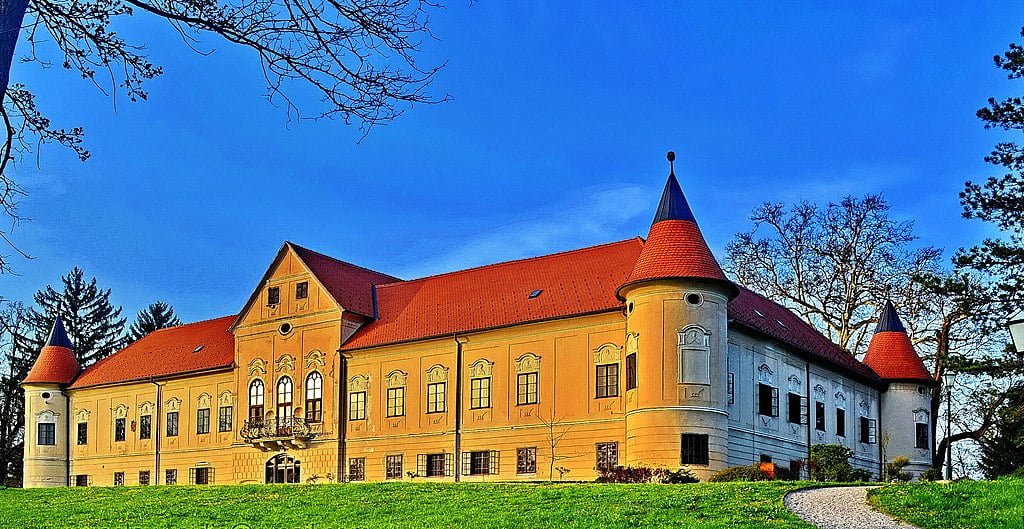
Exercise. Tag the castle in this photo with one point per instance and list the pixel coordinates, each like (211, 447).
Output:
(637, 352)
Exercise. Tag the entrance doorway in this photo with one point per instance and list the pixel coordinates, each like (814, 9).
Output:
(283, 468)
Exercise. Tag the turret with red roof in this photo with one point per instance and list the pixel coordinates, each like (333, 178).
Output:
(890, 353)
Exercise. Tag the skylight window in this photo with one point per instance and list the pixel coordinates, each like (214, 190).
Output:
(759, 313)
(782, 324)
(198, 348)
(535, 293)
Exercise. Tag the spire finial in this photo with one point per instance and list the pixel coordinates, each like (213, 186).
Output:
(671, 162)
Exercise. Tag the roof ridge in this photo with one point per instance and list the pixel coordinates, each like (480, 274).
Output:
(197, 322)
(512, 261)
(335, 259)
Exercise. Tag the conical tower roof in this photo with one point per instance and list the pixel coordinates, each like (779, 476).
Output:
(890, 353)
(56, 363)
(675, 247)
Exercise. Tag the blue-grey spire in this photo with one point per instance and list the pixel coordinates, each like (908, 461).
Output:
(58, 336)
(889, 321)
(673, 205)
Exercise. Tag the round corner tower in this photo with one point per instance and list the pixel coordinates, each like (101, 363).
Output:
(47, 410)
(676, 344)
(906, 404)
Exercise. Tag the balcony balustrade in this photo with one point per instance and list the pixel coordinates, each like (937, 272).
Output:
(279, 433)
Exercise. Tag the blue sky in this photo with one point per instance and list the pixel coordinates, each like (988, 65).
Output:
(555, 138)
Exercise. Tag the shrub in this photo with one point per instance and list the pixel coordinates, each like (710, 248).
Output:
(830, 463)
(932, 474)
(861, 474)
(645, 475)
(744, 473)
(787, 473)
(894, 470)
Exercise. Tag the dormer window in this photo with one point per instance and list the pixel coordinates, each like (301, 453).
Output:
(302, 290)
(273, 296)
(535, 293)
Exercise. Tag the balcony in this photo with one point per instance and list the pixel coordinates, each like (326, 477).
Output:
(277, 434)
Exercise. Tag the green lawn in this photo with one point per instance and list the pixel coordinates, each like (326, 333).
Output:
(960, 505)
(434, 506)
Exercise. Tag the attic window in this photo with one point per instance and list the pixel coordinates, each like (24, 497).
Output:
(782, 324)
(273, 296)
(759, 313)
(198, 348)
(302, 290)
(535, 293)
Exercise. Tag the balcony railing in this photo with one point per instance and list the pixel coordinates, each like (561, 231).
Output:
(284, 432)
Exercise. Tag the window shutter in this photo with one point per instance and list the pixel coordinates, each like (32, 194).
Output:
(448, 460)
(495, 455)
(209, 476)
(421, 465)
(775, 402)
(191, 476)
(872, 431)
(804, 410)
(466, 465)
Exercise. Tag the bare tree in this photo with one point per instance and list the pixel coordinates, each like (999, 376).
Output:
(557, 430)
(357, 56)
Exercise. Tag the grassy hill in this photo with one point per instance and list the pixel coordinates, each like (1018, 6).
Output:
(964, 504)
(404, 505)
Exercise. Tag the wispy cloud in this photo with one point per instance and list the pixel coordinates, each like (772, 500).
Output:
(604, 215)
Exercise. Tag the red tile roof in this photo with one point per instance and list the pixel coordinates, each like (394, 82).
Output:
(350, 285)
(892, 356)
(189, 348)
(570, 283)
(675, 249)
(55, 365)
(767, 317)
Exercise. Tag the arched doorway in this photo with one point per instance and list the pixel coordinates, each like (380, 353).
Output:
(283, 468)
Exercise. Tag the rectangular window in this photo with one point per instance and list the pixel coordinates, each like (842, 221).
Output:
(302, 290)
(923, 435)
(172, 424)
(83, 433)
(47, 433)
(436, 401)
(273, 296)
(393, 467)
(607, 455)
(527, 388)
(171, 476)
(731, 387)
(396, 402)
(630, 371)
(476, 463)
(118, 479)
(436, 465)
(143, 477)
(146, 427)
(819, 416)
(119, 430)
(202, 475)
(840, 422)
(694, 449)
(357, 406)
(526, 460)
(225, 418)
(203, 421)
(607, 381)
(480, 393)
(868, 430)
(357, 469)
(767, 400)
(82, 480)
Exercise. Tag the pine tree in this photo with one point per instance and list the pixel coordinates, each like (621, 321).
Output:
(158, 315)
(94, 325)
(1002, 450)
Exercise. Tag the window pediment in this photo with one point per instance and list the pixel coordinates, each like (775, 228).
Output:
(528, 363)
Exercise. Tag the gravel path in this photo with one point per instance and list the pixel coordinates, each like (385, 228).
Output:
(840, 508)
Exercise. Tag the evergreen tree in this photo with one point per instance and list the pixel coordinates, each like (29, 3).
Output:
(14, 365)
(1002, 450)
(156, 316)
(94, 325)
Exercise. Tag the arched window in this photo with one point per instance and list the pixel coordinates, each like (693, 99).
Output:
(284, 401)
(256, 400)
(314, 397)
(283, 468)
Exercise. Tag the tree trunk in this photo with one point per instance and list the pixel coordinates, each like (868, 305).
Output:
(12, 13)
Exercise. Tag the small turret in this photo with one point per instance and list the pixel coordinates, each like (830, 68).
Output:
(46, 411)
(676, 325)
(906, 404)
